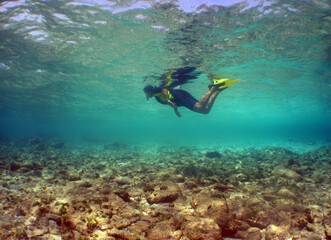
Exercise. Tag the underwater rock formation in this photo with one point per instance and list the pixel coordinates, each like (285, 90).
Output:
(75, 192)
(214, 154)
(166, 192)
(202, 228)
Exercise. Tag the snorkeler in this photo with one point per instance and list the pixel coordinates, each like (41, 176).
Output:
(168, 92)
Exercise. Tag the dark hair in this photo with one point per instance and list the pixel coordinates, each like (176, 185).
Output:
(185, 74)
(148, 88)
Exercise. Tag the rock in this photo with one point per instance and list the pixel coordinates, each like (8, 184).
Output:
(328, 231)
(253, 202)
(72, 177)
(290, 162)
(55, 217)
(238, 225)
(53, 228)
(125, 210)
(162, 230)
(50, 237)
(120, 222)
(264, 217)
(198, 199)
(214, 154)
(317, 228)
(242, 199)
(15, 166)
(216, 209)
(123, 181)
(19, 212)
(105, 189)
(122, 234)
(178, 178)
(306, 235)
(37, 173)
(202, 228)
(91, 175)
(287, 173)
(140, 227)
(77, 235)
(101, 235)
(251, 233)
(191, 184)
(270, 196)
(122, 194)
(166, 192)
(91, 224)
(86, 184)
(276, 232)
(34, 232)
(177, 234)
(221, 187)
(285, 193)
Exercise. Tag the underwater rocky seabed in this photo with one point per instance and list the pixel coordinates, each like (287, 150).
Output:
(53, 190)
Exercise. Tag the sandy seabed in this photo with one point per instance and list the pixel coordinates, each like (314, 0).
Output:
(50, 189)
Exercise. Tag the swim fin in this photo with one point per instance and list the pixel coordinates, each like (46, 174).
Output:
(229, 82)
(224, 82)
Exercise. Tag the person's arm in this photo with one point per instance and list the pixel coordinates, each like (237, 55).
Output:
(173, 105)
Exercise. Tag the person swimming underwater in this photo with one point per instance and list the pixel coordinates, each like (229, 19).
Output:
(168, 92)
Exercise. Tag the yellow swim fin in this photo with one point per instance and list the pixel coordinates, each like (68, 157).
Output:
(223, 83)
(220, 81)
(228, 82)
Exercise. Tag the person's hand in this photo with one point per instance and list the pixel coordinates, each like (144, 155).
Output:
(178, 113)
(175, 108)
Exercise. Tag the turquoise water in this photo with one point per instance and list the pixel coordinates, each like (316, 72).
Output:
(84, 155)
(76, 70)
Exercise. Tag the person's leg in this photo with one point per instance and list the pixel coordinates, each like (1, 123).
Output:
(204, 100)
(205, 104)
(211, 101)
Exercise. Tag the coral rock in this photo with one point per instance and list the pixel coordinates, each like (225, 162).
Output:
(123, 181)
(191, 184)
(139, 228)
(287, 173)
(162, 230)
(238, 225)
(285, 193)
(252, 233)
(213, 154)
(328, 231)
(164, 193)
(276, 232)
(120, 222)
(202, 228)
(122, 234)
(216, 209)
(177, 234)
(306, 235)
(122, 193)
(15, 166)
(50, 237)
(72, 177)
(55, 217)
(316, 228)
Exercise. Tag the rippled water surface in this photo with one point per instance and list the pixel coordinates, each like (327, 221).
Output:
(77, 68)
